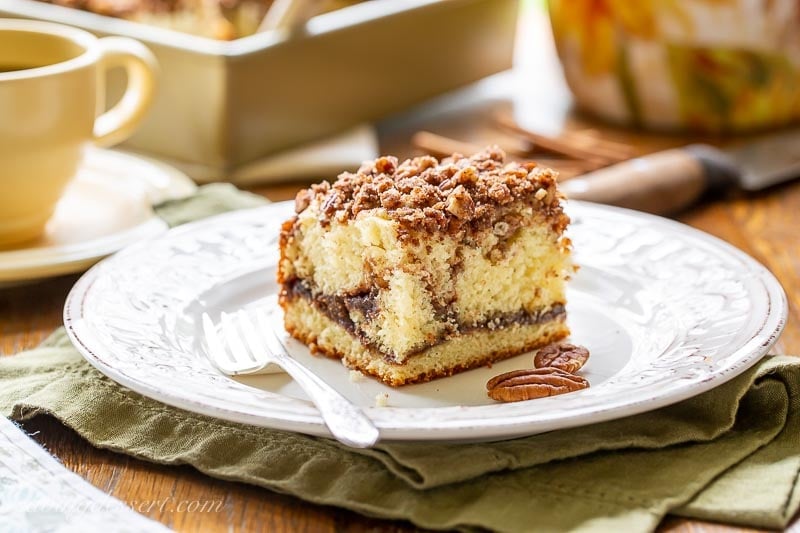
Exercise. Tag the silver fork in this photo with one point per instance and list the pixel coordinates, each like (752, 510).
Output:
(262, 346)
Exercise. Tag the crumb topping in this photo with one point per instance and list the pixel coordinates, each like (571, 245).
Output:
(426, 193)
(122, 8)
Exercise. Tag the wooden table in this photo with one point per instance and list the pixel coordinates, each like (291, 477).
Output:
(763, 225)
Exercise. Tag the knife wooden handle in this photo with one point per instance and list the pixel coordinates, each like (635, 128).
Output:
(661, 183)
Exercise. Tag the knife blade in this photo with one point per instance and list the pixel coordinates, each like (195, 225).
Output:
(672, 180)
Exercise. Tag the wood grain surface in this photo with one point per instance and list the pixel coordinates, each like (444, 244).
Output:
(764, 225)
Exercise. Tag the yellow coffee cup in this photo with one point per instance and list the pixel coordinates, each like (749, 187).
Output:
(52, 89)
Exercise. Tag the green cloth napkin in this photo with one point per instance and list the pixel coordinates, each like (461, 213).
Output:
(208, 200)
(731, 454)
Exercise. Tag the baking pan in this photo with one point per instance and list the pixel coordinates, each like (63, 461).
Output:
(222, 104)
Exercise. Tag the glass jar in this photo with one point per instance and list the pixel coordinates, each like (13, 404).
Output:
(698, 65)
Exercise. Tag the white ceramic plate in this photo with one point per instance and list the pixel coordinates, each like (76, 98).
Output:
(667, 311)
(108, 206)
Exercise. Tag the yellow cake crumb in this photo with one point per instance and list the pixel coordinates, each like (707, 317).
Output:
(382, 400)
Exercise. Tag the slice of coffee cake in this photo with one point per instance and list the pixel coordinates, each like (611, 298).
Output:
(416, 270)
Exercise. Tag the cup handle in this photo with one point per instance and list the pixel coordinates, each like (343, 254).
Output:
(119, 122)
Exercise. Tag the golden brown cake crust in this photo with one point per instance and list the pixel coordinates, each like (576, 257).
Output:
(424, 194)
(398, 375)
(122, 8)
(218, 19)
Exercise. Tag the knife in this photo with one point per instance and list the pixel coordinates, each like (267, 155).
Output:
(672, 180)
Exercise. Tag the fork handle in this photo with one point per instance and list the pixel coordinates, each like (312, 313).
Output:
(345, 420)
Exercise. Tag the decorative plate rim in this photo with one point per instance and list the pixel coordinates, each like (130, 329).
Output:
(492, 421)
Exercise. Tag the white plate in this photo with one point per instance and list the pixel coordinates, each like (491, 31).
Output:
(108, 206)
(668, 312)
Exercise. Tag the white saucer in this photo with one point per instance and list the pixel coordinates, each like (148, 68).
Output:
(108, 206)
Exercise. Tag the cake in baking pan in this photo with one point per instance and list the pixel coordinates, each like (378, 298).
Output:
(216, 19)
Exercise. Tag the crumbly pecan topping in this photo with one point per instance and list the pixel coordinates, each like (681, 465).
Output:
(426, 194)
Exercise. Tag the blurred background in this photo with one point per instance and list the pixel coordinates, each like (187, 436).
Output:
(244, 80)
(274, 93)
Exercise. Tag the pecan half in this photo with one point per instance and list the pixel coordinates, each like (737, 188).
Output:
(302, 200)
(533, 383)
(567, 357)
(461, 204)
